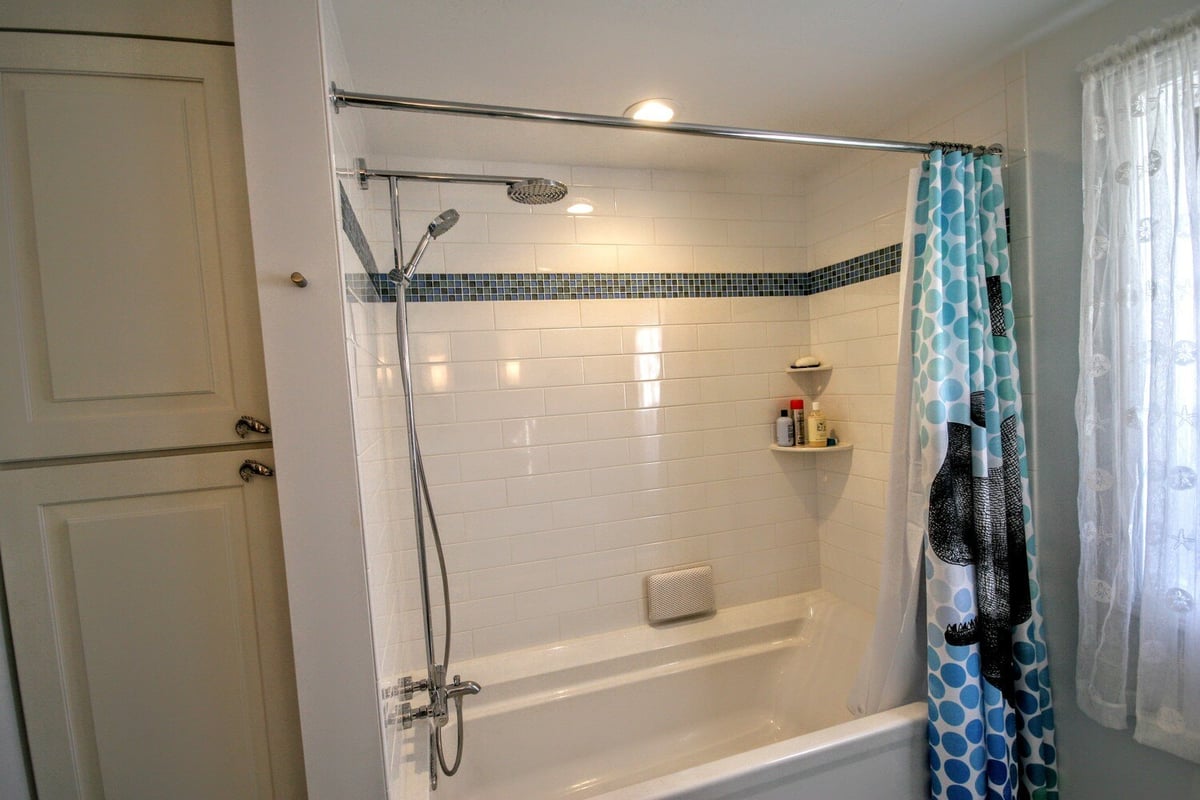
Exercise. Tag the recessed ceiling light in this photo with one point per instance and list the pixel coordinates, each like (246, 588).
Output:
(655, 109)
(580, 206)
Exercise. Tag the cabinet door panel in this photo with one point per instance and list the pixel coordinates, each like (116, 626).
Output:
(122, 294)
(150, 630)
(130, 315)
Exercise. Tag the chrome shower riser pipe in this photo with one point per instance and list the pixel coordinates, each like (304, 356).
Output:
(440, 692)
(414, 474)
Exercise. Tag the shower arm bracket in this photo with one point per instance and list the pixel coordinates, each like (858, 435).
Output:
(360, 167)
(364, 175)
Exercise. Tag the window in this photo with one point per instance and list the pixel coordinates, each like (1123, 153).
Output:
(1138, 393)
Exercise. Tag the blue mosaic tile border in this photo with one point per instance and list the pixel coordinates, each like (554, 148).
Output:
(874, 264)
(354, 232)
(454, 287)
(451, 287)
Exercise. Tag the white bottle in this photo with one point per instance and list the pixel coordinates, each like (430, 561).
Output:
(818, 428)
(785, 429)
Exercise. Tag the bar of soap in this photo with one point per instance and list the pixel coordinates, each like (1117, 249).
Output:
(806, 361)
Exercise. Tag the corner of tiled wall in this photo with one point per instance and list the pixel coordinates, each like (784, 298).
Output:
(854, 326)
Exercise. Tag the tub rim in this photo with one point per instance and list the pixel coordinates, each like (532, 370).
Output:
(808, 752)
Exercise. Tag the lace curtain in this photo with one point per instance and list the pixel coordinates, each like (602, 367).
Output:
(1138, 392)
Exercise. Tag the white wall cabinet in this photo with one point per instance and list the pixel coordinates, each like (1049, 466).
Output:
(144, 579)
(128, 307)
(150, 624)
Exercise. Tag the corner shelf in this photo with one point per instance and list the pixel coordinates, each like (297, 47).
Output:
(836, 448)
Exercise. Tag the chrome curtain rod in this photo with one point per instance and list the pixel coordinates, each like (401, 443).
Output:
(341, 98)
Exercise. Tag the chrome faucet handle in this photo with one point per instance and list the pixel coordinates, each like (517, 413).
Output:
(406, 715)
(409, 687)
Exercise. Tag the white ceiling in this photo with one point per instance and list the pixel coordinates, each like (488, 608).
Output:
(844, 67)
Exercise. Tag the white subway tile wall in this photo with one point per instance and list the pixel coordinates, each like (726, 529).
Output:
(562, 471)
(854, 330)
(854, 327)
(644, 221)
(575, 446)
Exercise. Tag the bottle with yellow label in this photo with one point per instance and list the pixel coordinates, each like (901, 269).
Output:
(818, 428)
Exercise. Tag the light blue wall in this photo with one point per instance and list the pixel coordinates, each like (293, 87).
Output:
(1097, 763)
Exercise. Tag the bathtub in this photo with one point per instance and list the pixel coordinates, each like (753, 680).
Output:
(749, 703)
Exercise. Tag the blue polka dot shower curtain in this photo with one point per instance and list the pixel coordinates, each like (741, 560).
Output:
(991, 723)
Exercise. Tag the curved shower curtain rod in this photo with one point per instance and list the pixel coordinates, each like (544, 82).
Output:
(341, 98)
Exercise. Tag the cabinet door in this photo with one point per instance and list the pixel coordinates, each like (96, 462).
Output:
(150, 627)
(128, 308)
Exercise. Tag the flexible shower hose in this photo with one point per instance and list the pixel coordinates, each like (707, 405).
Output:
(402, 332)
(441, 556)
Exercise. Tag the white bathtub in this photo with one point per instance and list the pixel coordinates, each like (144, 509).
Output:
(747, 704)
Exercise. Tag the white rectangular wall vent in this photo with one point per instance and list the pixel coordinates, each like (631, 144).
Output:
(679, 594)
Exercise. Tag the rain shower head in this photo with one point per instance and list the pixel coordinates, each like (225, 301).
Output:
(536, 191)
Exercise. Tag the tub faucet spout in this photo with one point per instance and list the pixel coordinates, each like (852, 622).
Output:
(460, 687)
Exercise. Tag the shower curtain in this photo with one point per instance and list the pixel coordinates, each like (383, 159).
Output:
(959, 505)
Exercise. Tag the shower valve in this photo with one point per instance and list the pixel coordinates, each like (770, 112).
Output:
(405, 688)
(406, 715)
(409, 687)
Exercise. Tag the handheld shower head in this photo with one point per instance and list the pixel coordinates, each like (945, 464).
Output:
(442, 222)
(439, 225)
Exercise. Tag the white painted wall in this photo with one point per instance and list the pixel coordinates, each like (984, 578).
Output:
(292, 213)
(1095, 762)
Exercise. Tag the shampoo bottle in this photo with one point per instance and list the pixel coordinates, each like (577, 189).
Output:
(798, 422)
(818, 428)
(785, 429)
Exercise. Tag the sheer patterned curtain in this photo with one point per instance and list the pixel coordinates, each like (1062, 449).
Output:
(1138, 393)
